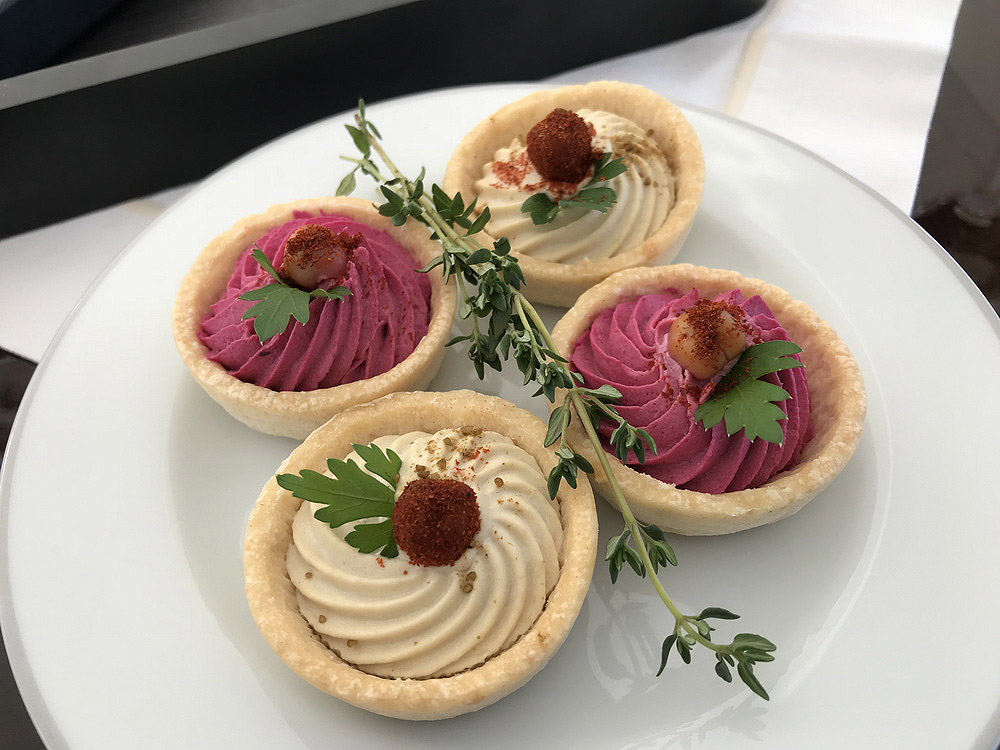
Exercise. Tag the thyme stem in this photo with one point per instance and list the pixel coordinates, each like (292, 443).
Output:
(576, 396)
(516, 329)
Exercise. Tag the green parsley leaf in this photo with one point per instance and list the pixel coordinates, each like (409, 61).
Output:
(258, 255)
(385, 465)
(606, 168)
(368, 537)
(595, 198)
(279, 301)
(353, 494)
(544, 210)
(275, 304)
(745, 401)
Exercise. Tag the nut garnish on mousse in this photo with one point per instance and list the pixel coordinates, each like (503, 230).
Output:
(448, 566)
(317, 257)
(435, 520)
(706, 336)
(560, 146)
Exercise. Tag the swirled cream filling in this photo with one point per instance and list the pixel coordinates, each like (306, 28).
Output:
(392, 618)
(645, 195)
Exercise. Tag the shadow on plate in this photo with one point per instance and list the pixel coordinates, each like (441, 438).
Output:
(793, 583)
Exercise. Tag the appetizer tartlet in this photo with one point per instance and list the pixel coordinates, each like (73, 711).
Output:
(437, 631)
(386, 335)
(761, 482)
(547, 145)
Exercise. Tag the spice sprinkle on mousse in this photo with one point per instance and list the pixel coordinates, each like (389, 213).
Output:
(435, 520)
(316, 257)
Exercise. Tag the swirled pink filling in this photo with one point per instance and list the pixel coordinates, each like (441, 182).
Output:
(626, 347)
(364, 335)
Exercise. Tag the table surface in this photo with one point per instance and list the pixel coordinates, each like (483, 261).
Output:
(955, 198)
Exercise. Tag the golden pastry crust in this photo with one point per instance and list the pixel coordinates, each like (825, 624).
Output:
(559, 283)
(271, 595)
(836, 391)
(297, 413)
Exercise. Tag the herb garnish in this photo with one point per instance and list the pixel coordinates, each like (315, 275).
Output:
(746, 401)
(505, 325)
(544, 210)
(352, 494)
(279, 301)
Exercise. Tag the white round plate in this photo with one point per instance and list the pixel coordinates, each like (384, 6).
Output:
(126, 490)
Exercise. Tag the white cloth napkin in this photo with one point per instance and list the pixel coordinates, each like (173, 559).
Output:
(853, 80)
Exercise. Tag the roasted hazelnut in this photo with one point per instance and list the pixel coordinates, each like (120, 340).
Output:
(705, 337)
(314, 256)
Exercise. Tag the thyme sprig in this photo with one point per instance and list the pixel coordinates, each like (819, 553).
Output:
(505, 325)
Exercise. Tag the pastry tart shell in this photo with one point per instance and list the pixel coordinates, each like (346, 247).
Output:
(837, 398)
(561, 283)
(272, 598)
(297, 413)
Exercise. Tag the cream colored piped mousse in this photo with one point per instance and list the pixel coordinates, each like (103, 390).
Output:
(584, 181)
(427, 573)
(450, 599)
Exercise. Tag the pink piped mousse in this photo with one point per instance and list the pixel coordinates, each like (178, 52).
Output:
(363, 335)
(626, 347)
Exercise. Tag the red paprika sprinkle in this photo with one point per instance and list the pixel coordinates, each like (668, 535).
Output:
(705, 318)
(512, 172)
